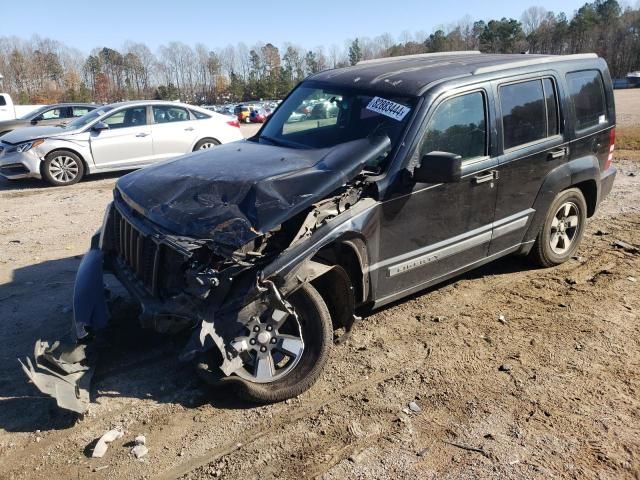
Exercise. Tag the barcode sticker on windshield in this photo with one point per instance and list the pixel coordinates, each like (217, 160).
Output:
(388, 108)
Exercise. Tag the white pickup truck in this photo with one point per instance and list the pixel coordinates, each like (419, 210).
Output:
(9, 110)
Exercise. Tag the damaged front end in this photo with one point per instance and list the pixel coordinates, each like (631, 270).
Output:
(209, 278)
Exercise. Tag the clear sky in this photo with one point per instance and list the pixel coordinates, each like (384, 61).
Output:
(309, 23)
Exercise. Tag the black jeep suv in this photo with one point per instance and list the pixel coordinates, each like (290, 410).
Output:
(433, 165)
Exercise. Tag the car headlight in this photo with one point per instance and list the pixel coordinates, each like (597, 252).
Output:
(25, 147)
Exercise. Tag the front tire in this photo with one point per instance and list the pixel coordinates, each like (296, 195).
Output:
(317, 335)
(62, 168)
(562, 231)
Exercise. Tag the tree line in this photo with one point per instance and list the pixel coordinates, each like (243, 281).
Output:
(43, 70)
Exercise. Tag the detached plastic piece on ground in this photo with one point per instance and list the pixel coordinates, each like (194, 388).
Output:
(89, 303)
(63, 372)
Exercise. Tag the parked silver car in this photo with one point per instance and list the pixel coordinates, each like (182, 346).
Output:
(119, 136)
(58, 114)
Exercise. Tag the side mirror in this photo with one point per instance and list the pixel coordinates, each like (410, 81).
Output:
(99, 126)
(439, 167)
(37, 119)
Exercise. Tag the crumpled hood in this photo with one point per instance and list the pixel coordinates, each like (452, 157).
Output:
(238, 191)
(26, 134)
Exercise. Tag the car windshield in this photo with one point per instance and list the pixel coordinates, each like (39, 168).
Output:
(87, 118)
(33, 113)
(321, 117)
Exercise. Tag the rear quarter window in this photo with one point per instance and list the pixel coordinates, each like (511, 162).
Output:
(199, 115)
(587, 95)
(3, 102)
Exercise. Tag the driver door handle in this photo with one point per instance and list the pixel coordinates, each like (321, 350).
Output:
(561, 152)
(485, 177)
(142, 134)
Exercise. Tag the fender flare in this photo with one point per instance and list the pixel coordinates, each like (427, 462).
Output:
(564, 176)
(335, 282)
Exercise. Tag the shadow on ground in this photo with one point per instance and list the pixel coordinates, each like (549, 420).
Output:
(33, 184)
(133, 363)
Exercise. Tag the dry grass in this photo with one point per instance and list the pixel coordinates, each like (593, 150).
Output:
(633, 155)
(628, 138)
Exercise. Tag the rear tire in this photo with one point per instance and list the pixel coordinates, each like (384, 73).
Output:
(205, 144)
(317, 334)
(62, 168)
(562, 231)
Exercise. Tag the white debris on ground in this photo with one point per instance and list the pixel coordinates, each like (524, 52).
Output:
(101, 447)
(140, 449)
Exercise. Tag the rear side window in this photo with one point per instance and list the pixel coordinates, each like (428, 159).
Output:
(167, 114)
(587, 94)
(3, 102)
(458, 126)
(529, 112)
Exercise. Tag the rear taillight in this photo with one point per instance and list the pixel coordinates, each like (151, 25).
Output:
(612, 147)
(234, 123)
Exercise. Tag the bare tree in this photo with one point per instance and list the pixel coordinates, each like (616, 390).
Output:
(532, 18)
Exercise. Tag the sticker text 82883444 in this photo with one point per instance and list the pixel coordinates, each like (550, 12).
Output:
(388, 108)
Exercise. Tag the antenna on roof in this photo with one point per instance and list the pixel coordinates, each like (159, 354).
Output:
(419, 55)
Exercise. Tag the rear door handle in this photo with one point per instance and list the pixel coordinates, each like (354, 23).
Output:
(553, 154)
(485, 177)
(189, 129)
(142, 134)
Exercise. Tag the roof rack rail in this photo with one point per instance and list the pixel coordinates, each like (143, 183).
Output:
(533, 61)
(419, 55)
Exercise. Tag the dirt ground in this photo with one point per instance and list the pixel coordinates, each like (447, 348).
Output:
(550, 391)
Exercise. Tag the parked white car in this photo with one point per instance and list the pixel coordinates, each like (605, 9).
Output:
(119, 136)
(11, 111)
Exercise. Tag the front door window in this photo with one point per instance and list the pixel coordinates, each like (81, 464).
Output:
(129, 117)
(458, 126)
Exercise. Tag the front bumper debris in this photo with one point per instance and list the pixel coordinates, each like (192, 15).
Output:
(62, 372)
(17, 165)
(90, 312)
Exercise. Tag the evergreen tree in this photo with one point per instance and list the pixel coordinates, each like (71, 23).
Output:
(355, 53)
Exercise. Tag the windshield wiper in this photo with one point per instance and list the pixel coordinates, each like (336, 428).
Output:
(278, 143)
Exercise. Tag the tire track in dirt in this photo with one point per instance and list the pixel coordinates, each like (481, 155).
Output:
(302, 413)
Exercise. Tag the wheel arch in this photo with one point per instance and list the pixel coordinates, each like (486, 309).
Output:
(582, 173)
(589, 189)
(87, 168)
(339, 271)
(195, 144)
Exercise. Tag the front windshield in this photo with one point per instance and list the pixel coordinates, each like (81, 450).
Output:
(87, 118)
(321, 117)
(33, 113)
